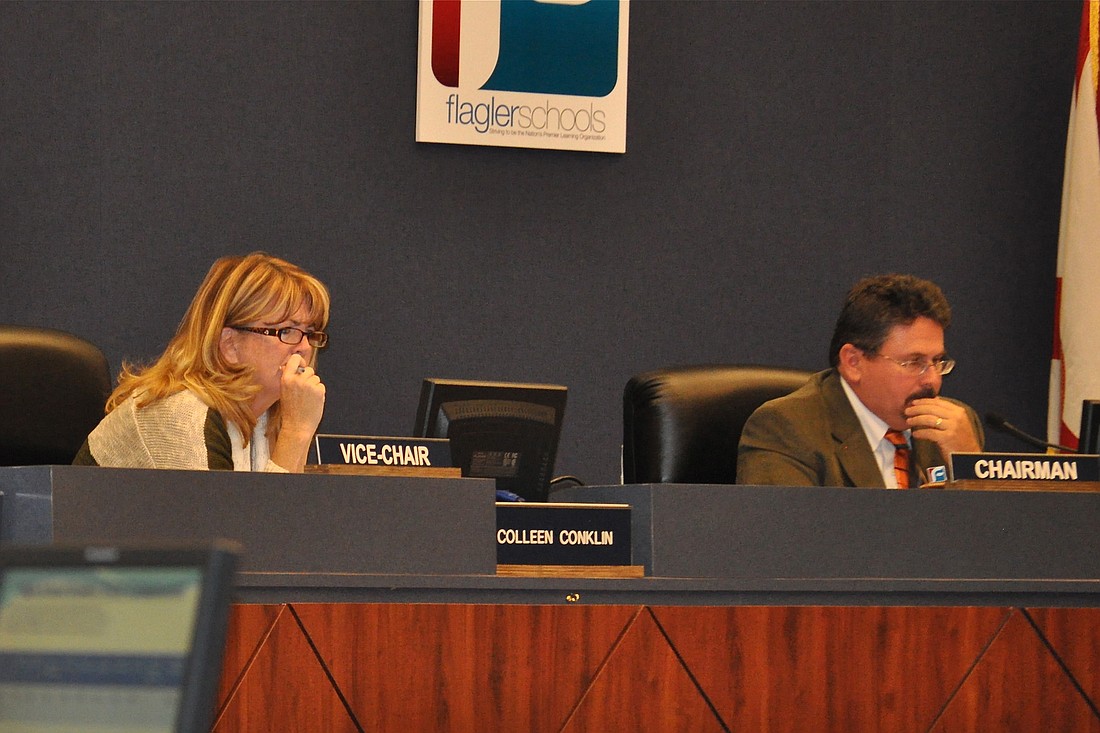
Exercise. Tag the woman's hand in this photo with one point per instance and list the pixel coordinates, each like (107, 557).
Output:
(302, 401)
(301, 405)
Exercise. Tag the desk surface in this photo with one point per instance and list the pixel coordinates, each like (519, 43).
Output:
(491, 589)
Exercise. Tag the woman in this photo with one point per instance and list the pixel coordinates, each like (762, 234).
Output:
(235, 389)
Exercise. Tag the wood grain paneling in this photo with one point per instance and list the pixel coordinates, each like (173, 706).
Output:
(1074, 633)
(468, 667)
(1017, 685)
(643, 687)
(832, 668)
(284, 688)
(248, 627)
(451, 667)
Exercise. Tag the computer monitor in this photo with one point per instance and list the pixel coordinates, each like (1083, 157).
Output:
(1088, 437)
(501, 430)
(107, 638)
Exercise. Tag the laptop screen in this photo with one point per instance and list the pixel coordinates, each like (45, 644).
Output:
(102, 639)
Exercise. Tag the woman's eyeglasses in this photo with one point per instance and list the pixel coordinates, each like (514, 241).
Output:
(289, 335)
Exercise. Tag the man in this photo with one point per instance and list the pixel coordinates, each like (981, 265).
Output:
(875, 418)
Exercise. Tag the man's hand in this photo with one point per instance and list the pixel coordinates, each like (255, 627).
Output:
(944, 423)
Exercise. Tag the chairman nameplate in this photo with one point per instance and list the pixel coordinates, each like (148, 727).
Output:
(1023, 471)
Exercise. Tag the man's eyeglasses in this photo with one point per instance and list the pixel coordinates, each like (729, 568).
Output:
(917, 367)
(289, 335)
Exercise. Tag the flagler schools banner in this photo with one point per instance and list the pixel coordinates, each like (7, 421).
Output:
(1075, 367)
(523, 73)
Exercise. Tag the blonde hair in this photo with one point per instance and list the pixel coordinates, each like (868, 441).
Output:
(235, 292)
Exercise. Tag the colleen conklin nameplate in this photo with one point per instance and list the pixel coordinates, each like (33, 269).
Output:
(1025, 467)
(537, 533)
(362, 450)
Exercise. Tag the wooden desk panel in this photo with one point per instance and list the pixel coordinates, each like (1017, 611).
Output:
(895, 666)
(454, 667)
(272, 678)
(1074, 637)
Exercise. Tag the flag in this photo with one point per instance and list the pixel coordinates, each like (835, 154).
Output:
(1075, 365)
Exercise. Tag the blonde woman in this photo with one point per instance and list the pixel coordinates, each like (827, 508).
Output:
(236, 388)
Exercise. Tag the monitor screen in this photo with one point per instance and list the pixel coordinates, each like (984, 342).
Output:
(104, 639)
(500, 430)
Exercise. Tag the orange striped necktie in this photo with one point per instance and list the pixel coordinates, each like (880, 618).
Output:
(901, 457)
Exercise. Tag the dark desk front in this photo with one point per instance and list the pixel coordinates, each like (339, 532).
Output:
(287, 524)
(393, 539)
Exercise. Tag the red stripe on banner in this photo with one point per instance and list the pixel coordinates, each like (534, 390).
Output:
(446, 23)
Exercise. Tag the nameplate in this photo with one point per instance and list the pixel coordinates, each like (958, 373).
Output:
(1024, 467)
(362, 450)
(534, 533)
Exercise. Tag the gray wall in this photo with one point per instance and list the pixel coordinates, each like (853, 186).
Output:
(776, 152)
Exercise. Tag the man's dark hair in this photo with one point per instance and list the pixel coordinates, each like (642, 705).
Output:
(875, 305)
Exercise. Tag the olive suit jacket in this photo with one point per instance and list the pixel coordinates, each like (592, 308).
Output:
(812, 437)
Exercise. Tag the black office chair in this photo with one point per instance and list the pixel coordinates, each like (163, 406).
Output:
(53, 387)
(682, 424)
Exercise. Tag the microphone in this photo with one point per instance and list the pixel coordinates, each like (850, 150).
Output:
(997, 422)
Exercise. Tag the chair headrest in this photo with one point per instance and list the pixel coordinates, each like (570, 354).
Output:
(682, 424)
(55, 387)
